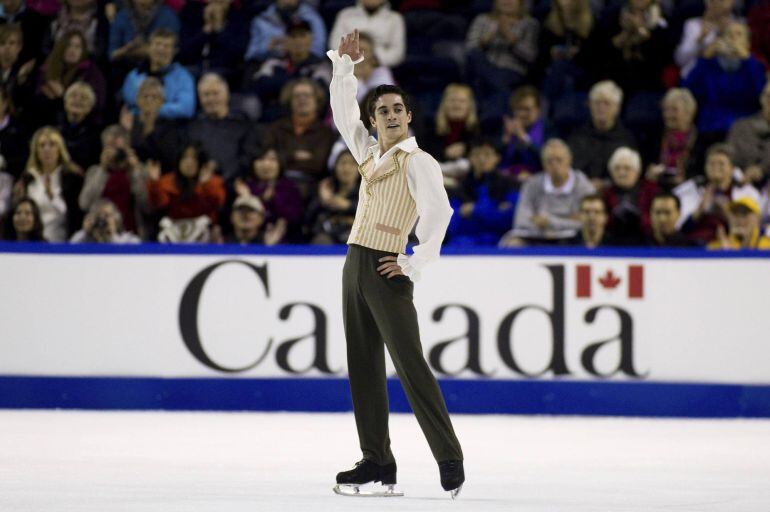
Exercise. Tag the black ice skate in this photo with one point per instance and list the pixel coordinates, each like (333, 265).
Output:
(452, 476)
(350, 483)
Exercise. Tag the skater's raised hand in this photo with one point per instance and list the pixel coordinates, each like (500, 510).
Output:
(349, 46)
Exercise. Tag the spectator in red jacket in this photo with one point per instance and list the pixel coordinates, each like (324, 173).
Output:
(191, 191)
(628, 198)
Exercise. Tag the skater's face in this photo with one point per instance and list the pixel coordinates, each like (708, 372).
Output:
(391, 118)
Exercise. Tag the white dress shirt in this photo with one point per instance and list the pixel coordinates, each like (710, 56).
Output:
(423, 174)
(53, 210)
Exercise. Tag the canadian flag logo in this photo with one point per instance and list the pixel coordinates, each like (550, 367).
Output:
(633, 281)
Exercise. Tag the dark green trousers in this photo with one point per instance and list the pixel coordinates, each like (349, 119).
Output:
(379, 312)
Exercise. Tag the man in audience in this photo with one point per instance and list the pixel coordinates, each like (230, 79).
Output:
(178, 83)
(743, 222)
(664, 216)
(297, 61)
(750, 137)
(268, 30)
(593, 223)
(227, 136)
(248, 219)
(547, 211)
(594, 143)
(104, 224)
(301, 139)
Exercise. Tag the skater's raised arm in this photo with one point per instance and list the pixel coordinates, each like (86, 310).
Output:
(342, 90)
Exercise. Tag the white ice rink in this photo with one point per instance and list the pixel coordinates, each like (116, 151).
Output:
(245, 462)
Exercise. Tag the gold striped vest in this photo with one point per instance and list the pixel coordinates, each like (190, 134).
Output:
(386, 210)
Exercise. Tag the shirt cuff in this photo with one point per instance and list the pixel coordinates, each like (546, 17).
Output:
(409, 271)
(342, 65)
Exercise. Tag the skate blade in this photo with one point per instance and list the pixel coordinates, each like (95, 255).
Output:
(456, 492)
(359, 491)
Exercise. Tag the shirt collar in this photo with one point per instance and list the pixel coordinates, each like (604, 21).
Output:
(564, 189)
(407, 145)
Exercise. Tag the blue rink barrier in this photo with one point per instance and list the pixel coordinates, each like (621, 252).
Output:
(332, 395)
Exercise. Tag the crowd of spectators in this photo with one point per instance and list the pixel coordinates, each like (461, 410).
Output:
(555, 122)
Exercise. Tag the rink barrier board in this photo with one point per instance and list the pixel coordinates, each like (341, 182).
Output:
(649, 399)
(338, 250)
(569, 397)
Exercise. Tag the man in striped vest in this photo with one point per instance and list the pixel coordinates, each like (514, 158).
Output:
(400, 184)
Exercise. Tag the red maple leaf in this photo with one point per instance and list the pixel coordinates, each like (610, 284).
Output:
(609, 280)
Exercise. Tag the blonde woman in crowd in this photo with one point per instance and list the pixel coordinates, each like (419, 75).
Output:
(53, 181)
(456, 126)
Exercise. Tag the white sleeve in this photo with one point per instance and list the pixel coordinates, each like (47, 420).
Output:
(689, 49)
(347, 116)
(426, 185)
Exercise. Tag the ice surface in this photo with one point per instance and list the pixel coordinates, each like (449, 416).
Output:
(248, 462)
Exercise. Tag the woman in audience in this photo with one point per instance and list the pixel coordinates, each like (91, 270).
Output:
(523, 135)
(279, 195)
(86, 17)
(628, 198)
(456, 125)
(24, 224)
(189, 197)
(53, 181)
(331, 214)
(673, 157)
(80, 132)
(68, 63)
(705, 198)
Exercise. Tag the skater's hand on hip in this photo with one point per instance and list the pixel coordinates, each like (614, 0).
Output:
(349, 46)
(389, 267)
